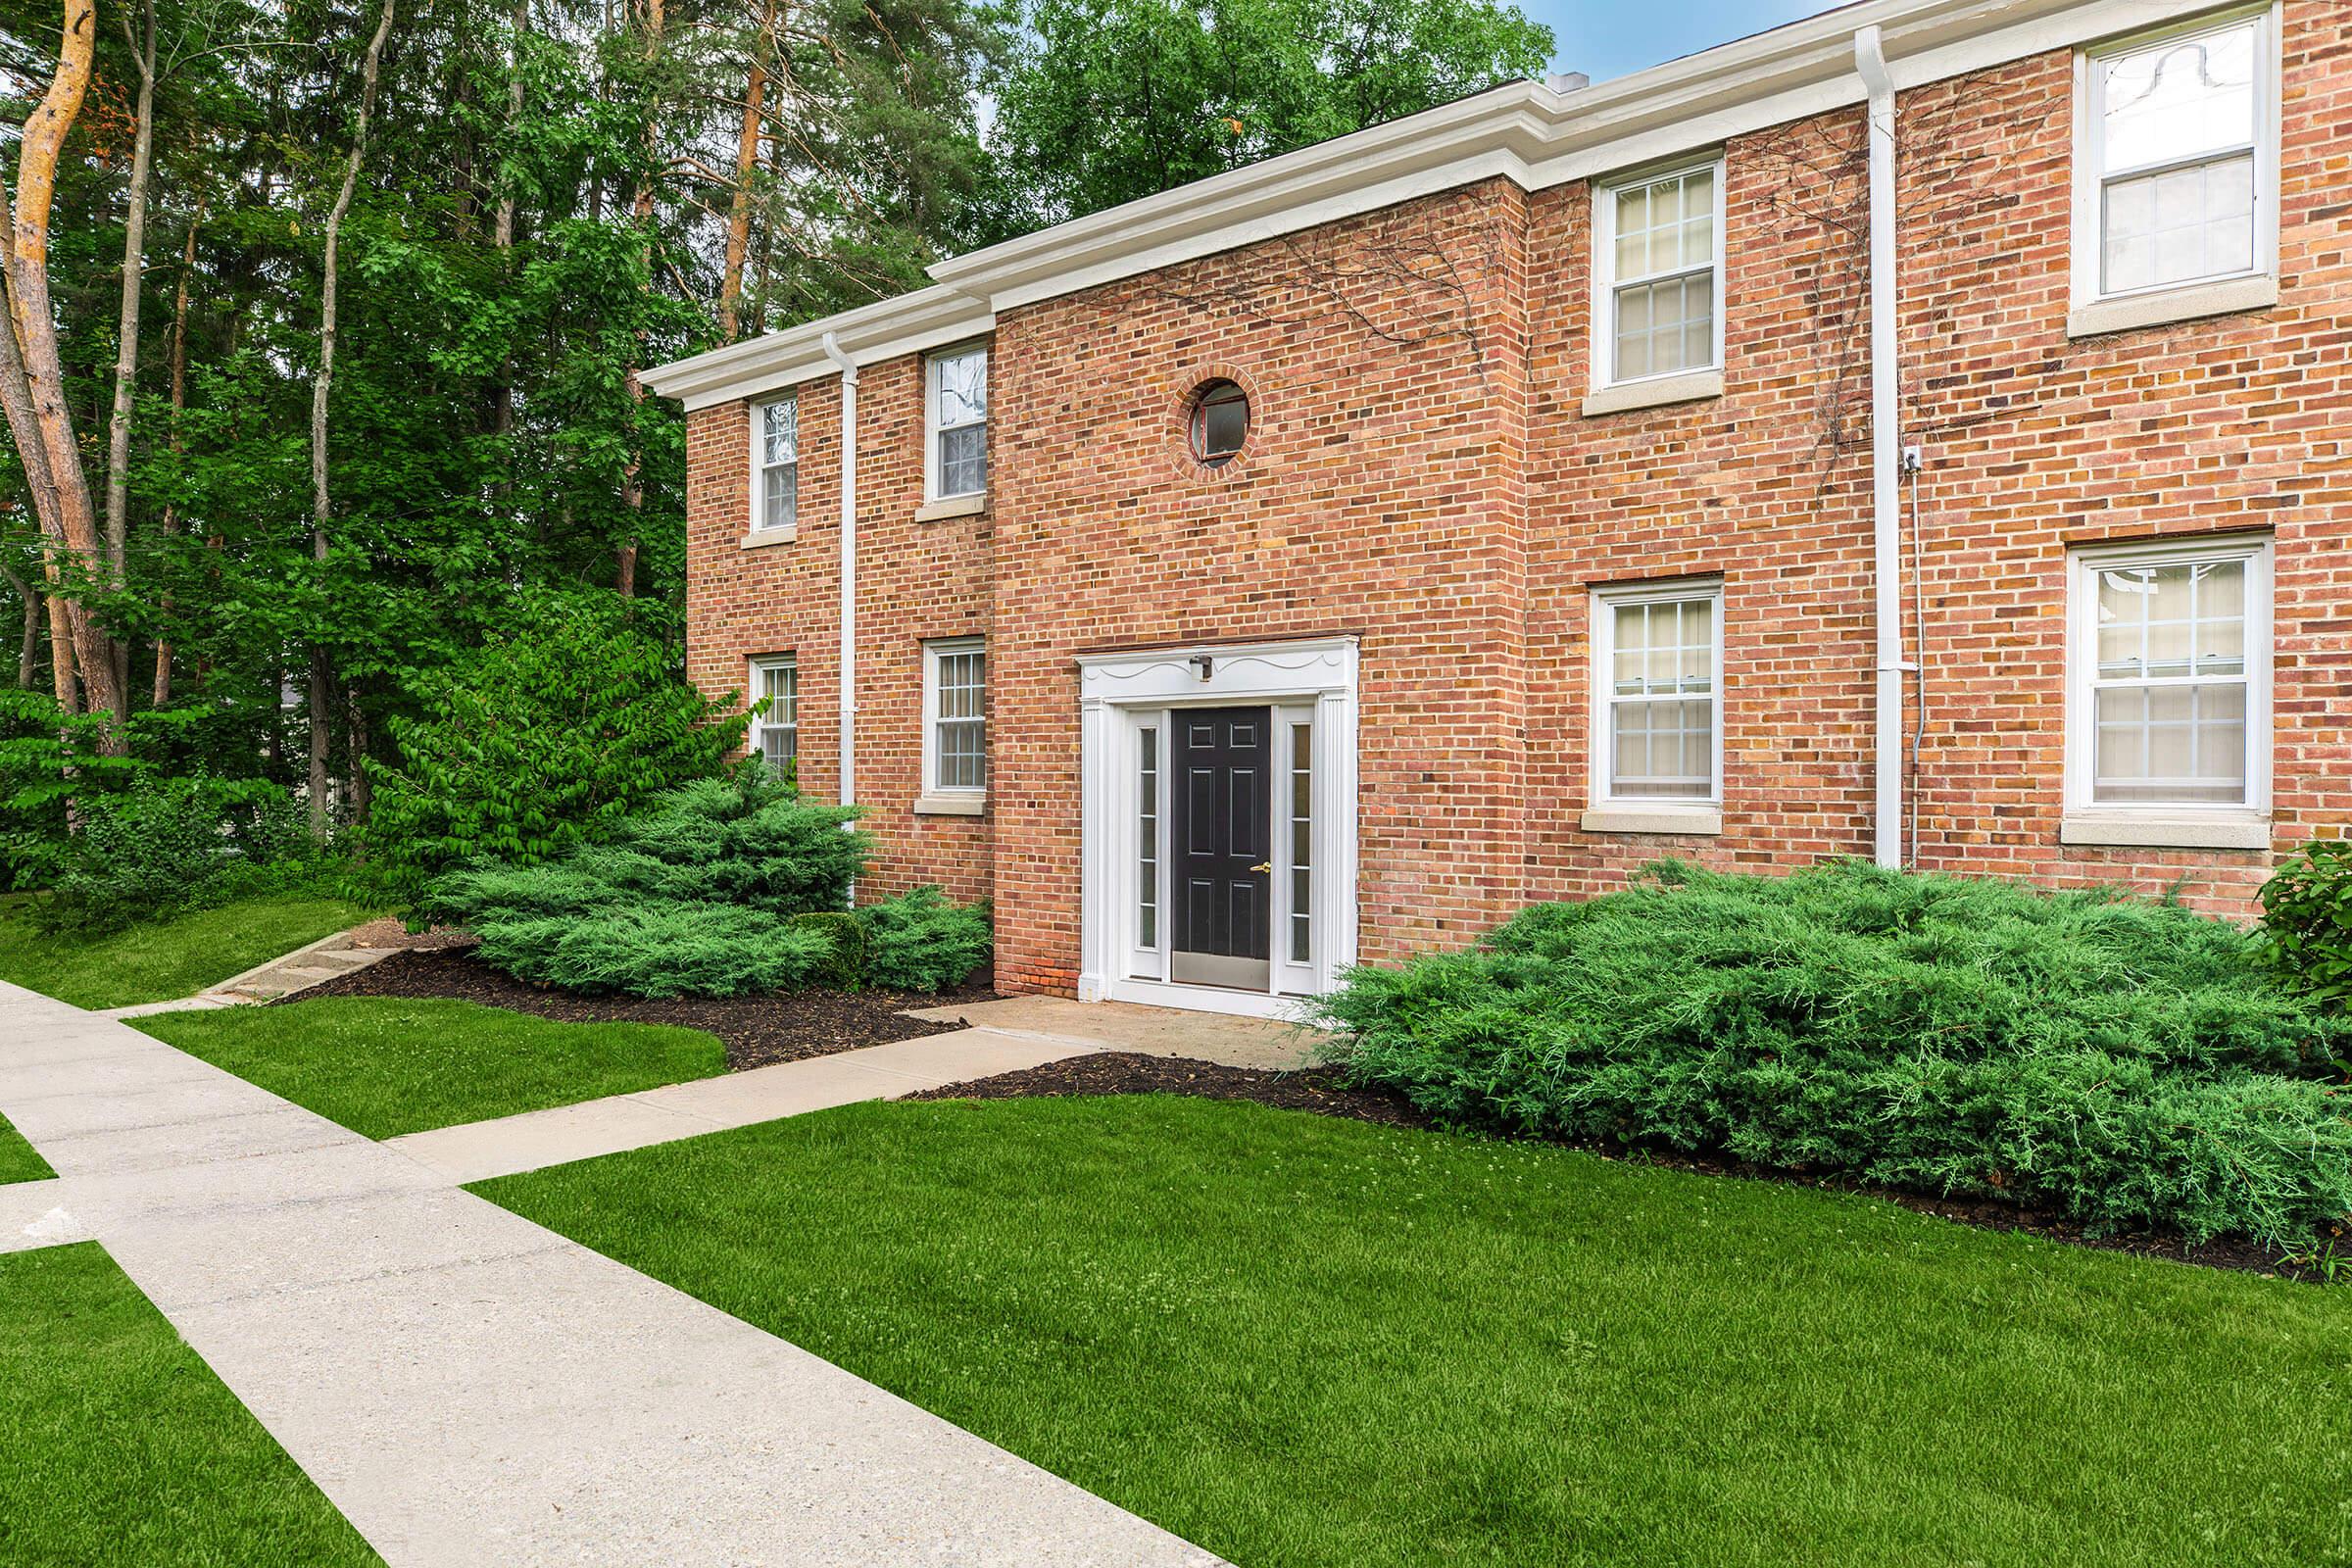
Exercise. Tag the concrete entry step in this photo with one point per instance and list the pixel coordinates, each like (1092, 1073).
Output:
(1233, 1041)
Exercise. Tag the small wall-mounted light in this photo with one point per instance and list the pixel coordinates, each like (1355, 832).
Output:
(1206, 666)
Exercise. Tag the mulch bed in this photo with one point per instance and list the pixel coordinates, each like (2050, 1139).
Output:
(1120, 1072)
(757, 1030)
(1320, 1089)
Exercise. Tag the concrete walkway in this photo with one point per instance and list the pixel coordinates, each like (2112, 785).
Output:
(508, 1145)
(306, 966)
(471, 1389)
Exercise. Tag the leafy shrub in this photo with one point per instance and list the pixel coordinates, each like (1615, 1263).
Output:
(661, 949)
(2307, 919)
(2129, 1064)
(851, 950)
(544, 737)
(165, 844)
(919, 941)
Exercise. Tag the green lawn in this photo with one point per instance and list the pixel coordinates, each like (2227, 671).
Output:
(119, 1446)
(17, 1161)
(387, 1065)
(1303, 1340)
(175, 957)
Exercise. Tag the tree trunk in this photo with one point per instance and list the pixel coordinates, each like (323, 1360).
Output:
(126, 338)
(321, 689)
(632, 487)
(362, 792)
(502, 396)
(747, 163)
(70, 517)
(179, 404)
(28, 652)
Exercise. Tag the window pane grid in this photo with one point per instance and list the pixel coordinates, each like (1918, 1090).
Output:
(1148, 839)
(1662, 276)
(1302, 833)
(960, 745)
(779, 735)
(1660, 700)
(779, 463)
(2176, 124)
(958, 418)
(2169, 684)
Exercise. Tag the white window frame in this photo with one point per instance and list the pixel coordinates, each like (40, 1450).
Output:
(754, 531)
(1612, 813)
(958, 800)
(2184, 823)
(762, 724)
(1603, 348)
(2089, 183)
(931, 426)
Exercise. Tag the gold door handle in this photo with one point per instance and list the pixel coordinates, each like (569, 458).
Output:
(1264, 865)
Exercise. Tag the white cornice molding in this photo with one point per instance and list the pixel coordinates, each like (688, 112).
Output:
(1523, 132)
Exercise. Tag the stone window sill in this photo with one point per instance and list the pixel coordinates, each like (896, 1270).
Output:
(949, 805)
(1655, 394)
(2221, 298)
(762, 538)
(1653, 819)
(2186, 831)
(952, 507)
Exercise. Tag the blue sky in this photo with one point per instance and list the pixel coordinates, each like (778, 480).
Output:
(1607, 39)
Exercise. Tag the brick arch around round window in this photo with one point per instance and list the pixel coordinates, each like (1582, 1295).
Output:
(1188, 384)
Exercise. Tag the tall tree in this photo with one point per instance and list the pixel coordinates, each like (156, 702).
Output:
(1108, 100)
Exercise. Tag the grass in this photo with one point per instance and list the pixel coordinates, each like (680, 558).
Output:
(122, 1447)
(18, 1160)
(387, 1066)
(1303, 1340)
(164, 959)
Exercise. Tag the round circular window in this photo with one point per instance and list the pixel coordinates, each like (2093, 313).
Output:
(1220, 422)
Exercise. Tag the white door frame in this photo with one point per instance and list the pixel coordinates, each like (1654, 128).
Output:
(1312, 682)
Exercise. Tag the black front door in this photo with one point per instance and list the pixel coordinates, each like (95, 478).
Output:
(1224, 846)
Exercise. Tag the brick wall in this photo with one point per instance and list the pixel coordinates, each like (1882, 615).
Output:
(1419, 474)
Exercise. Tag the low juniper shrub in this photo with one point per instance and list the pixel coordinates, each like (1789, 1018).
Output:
(724, 887)
(2135, 1066)
(843, 931)
(920, 941)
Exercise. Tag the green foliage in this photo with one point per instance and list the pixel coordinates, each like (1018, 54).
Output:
(2307, 919)
(698, 896)
(53, 763)
(919, 941)
(168, 845)
(852, 949)
(2129, 1064)
(1105, 101)
(548, 735)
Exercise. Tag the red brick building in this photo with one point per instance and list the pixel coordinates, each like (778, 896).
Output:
(1323, 560)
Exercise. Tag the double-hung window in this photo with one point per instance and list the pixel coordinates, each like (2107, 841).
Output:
(1657, 685)
(955, 723)
(2177, 167)
(2168, 671)
(775, 465)
(776, 732)
(956, 424)
(1658, 275)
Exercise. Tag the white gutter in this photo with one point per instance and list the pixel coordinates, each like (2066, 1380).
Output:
(849, 567)
(1886, 455)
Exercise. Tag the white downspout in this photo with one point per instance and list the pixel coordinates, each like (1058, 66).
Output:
(849, 567)
(1886, 455)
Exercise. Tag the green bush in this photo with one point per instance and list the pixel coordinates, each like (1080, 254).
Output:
(2131, 1065)
(2307, 919)
(167, 845)
(851, 950)
(919, 941)
(546, 736)
(661, 949)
